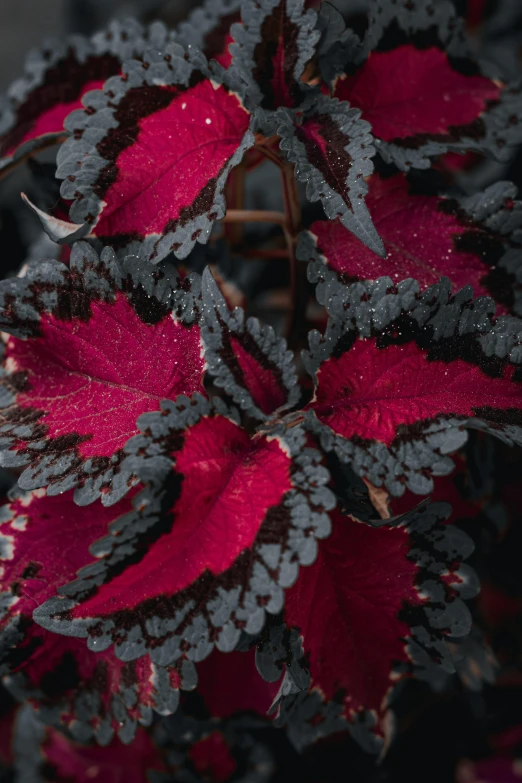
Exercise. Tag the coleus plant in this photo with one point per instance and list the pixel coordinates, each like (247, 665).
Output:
(201, 489)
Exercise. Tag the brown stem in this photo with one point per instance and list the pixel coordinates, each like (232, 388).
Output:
(270, 154)
(291, 229)
(292, 200)
(235, 199)
(276, 253)
(254, 216)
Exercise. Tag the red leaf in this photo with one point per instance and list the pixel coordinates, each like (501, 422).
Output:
(387, 394)
(217, 553)
(272, 47)
(56, 79)
(111, 354)
(374, 603)
(226, 479)
(87, 363)
(410, 95)
(212, 758)
(158, 169)
(425, 238)
(497, 769)
(347, 607)
(245, 358)
(230, 683)
(332, 150)
(44, 542)
(394, 406)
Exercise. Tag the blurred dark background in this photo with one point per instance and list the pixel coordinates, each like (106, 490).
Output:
(24, 23)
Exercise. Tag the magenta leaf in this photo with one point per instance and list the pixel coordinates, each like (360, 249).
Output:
(432, 96)
(103, 337)
(272, 47)
(43, 542)
(367, 622)
(55, 80)
(208, 28)
(93, 694)
(263, 499)
(206, 749)
(67, 760)
(425, 238)
(332, 149)
(163, 134)
(395, 404)
(246, 359)
(250, 693)
(35, 532)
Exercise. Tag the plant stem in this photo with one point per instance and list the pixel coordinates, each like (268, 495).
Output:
(275, 253)
(291, 229)
(270, 154)
(254, 216)
(235, 198)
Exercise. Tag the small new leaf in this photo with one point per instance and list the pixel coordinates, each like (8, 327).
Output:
(332, 149)
(246, 359)
(273, 44)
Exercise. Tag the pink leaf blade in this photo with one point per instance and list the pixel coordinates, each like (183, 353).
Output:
(246, 359)
(56, 78)
(425, 237)
(60, 319)
(186, 586)
(164, 195)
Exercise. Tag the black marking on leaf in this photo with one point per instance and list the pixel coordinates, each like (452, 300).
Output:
(220, 328)
(213, 611)
(93, 710)
(275, 39)
(56, 74)
(424, 23)
(448, 327)
(87, 162)
(491, 227)
(332, 150)
(67, 293)
(436, 628)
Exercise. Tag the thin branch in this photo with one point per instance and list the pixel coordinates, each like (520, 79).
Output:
(254, 216)
(291, 230)
(276, 253)
(269, 154)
